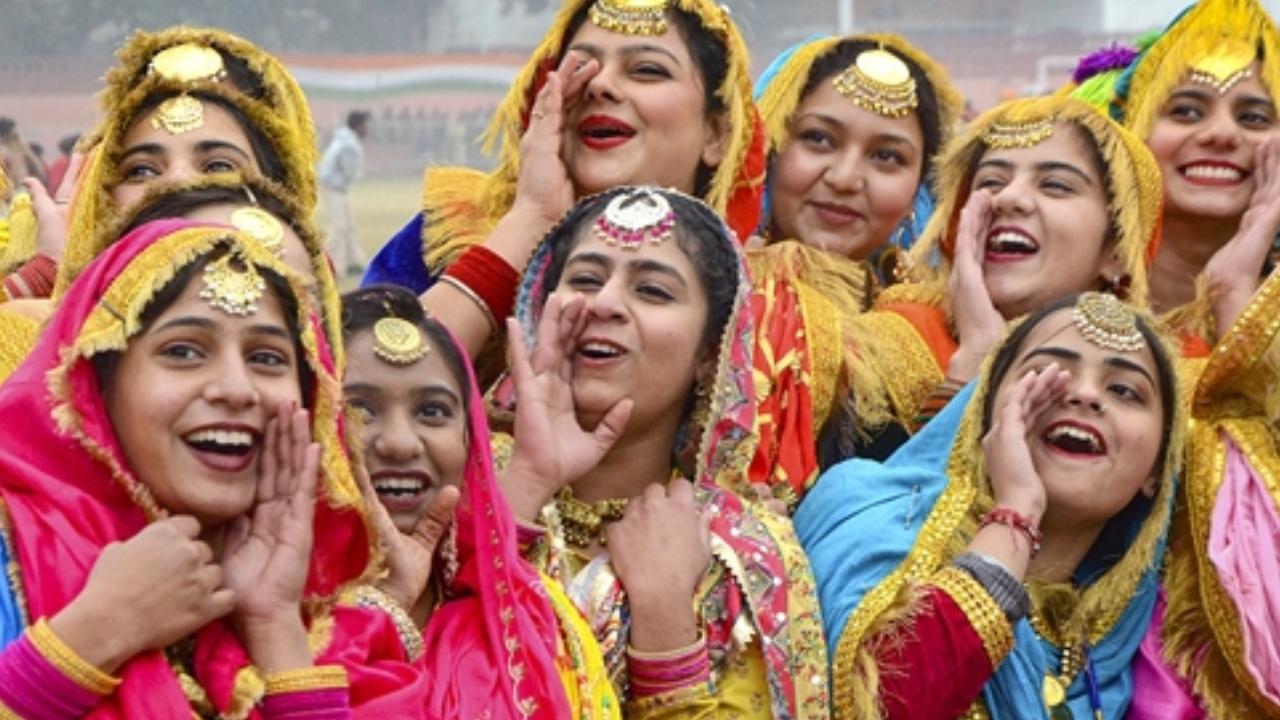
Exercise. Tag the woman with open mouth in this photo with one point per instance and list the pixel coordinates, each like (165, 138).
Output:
(425, 444)
(619, 92)
(635, 409)
(1203, 96)
(854, 123)
(1005, 560)
(178, 510)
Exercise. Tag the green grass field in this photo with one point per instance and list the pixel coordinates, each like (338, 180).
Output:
(382, 206)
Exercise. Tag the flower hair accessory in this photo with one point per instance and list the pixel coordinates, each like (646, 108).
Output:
(233, 285)
(630, 17)
(634, 217)
(881, 82)
(1108, 323)
(398, 341)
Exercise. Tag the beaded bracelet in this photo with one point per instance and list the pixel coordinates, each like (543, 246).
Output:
(1016, 520)
(490, 279)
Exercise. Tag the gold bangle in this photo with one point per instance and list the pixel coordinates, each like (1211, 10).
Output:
(479, 302)
(320, 677)
(68, 662)
(368, 596)
(980, 608)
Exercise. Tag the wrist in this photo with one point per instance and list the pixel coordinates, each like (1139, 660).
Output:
(526, 490)
(77, 626)
(661, 623)
(1028, 505)
(277, 644)
(963, 366)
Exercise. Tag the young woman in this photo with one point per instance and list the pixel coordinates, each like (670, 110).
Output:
(425, 443)
(1004, 562)
(1203, 96)
(854, 124)
(618, 93)
(635, 408)
(175, 534)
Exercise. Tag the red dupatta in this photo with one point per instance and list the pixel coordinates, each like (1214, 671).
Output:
(69, 491)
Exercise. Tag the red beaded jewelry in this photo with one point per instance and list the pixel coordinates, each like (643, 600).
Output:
(1016, 520)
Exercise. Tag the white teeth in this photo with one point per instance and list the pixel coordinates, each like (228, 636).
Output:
(600, 348)
(399, 485)
(1009, 240)
(1059, 432)
(1212, 172)
(222, 437)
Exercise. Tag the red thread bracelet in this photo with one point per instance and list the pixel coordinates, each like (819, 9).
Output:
(1016, 520)
(490, 277)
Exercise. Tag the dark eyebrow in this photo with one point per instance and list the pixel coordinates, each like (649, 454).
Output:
(189, 321)
(595, 51)
(996, 163)
(143, 149)
(1191, 93)
(1127, 364)
(1058, 165)
(362, 388)
(878, 137)
(1057, 353)
(272, 330)
(437, 389)
(591, 258)
(642, 265)
(1255, 100)
(208, 146)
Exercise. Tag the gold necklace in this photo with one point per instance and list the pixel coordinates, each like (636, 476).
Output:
(584, 522)
(1054, 689)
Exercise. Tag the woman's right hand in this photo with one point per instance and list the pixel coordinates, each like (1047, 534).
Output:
(1015, 483)
(551, 448)
(143, 594)
(544, 189)
(978, 324)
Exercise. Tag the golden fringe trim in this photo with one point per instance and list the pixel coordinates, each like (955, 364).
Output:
(1199, 31)
(18, 335)
(1133, 185)
(452, 220)
(21, 244)
(247, 690)
(857, 670)
(781, 98)
(498, 188)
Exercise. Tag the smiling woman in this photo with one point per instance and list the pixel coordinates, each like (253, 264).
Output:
(172, 405)
(1057, 472)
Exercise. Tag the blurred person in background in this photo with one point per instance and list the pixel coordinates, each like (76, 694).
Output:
(342, 164)
(58, 168)
(19, 161)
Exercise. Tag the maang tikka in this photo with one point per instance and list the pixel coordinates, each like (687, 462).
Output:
(1107, 322)
(186, 64)
(635, 217)
(398, 341)
(232, 284)
(881, 82)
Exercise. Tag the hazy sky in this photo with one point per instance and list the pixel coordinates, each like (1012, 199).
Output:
(1126, 15)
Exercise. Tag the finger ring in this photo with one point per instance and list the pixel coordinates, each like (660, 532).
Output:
(538, 114)
(61, 201)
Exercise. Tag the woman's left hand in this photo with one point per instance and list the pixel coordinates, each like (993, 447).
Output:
(265, 556)
(660, 550)
(1234, 271)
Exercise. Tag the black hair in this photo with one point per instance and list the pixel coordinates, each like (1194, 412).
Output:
(363, 307)
(698, 232)
(170, 202)
(6, 127)
(710, 55)
(269, 163)
(68, 143)
(927, 113)
(357, 119)
(106, 364)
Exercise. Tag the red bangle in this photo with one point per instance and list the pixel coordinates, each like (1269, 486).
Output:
(490, 277)
(37, 276)
(1017, 521)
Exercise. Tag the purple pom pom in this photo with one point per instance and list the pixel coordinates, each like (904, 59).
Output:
(1115, 57)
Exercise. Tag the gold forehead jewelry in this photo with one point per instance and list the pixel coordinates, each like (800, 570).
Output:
(632, 218)
(179, 114)
(1108, 323)
(1227, 64)
(398, 341)
(881, 82)
(261, 226)
(187, 63)
(232, 284)
(630, 17)
(1006, 135)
